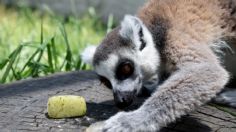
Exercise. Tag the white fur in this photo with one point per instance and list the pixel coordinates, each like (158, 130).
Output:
(130, 85)
(88, 53)
(197, 77)
(149, 55)
(194, 83)
(105, 68)
(130, 27)
(146, 61)
(176, 97)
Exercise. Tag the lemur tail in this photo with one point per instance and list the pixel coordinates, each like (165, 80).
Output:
(227, 97)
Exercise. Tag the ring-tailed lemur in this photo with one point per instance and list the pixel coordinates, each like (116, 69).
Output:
(179, 37)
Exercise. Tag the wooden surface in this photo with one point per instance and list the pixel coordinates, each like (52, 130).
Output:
(23, 106)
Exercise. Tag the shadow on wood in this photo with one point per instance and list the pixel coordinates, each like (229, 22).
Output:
(23, 106)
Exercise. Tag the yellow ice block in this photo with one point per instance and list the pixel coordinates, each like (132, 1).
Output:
(66, 106)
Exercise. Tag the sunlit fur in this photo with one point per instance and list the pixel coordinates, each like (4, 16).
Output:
(186, 35)
(88, 54)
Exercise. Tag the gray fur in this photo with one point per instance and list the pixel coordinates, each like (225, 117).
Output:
(187, 55)
(111, 44)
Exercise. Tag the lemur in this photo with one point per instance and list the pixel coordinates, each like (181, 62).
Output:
(181, 38)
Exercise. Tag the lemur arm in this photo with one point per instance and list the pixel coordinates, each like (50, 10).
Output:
(187, 89)
(193, 84)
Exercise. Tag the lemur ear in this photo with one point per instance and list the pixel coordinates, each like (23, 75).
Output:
(88, 54)
(132, 28)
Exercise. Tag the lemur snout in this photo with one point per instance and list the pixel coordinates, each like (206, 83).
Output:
(124, 99)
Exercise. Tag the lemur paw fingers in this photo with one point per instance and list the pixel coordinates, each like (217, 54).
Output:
(118, 123)
(96, 127)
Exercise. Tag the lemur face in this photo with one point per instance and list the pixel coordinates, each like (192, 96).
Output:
(127, 57)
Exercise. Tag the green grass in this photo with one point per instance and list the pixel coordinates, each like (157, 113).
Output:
(33, 44)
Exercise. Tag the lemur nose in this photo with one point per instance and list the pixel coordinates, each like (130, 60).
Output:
(123, 99)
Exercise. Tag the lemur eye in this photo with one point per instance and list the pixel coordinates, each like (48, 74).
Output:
(124, 70)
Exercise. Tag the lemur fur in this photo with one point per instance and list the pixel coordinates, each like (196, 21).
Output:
(180, 35)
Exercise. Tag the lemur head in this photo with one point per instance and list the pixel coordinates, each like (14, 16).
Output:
(127, 57)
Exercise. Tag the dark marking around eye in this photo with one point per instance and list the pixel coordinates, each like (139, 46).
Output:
(124, 69)
(143, 43)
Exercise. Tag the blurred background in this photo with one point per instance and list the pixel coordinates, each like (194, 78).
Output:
(41, 37)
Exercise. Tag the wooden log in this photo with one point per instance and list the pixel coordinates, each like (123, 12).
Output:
(23, 106)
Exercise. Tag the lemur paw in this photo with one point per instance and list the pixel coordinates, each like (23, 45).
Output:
(121, 122)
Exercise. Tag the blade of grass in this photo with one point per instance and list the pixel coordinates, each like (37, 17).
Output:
(41, 41)
(3, 63)
(68, 60)
(110, 23)
(30, 59)
(68, 57)
(17, 60)
(78, 63)
(15, 53)
(26, 73)
(38, 50)
(16, 76)
(83, 66)
(41, 51)
(54, 53)
(62, 65)
(35, 70)
(50, 56)
(61, 58)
